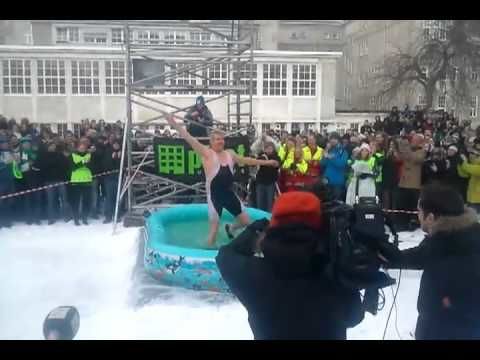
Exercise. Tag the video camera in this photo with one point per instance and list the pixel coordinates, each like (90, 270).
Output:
(354, 234)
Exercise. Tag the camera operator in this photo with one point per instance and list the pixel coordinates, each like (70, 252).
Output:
(201, 114)
(278, 271)
(450, 259)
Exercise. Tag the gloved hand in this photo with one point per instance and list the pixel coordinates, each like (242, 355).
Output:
(246, 242)
(259, 225)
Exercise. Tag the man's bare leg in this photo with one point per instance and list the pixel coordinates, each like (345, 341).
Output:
(212, 232)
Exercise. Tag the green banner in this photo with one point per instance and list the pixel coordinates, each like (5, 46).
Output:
(176, 160)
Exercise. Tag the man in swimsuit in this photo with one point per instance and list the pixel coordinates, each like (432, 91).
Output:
(218, 165)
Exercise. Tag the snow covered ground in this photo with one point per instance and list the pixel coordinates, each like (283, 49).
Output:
(99, 273)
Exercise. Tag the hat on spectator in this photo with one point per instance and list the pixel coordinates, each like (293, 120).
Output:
(297, 207)
(365, 146)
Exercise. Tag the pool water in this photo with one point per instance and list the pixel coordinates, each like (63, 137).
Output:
(193, 233)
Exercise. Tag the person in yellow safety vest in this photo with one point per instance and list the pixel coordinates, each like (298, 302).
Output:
(296, 164)
(80, 183)
(312, 152)
(286, 151)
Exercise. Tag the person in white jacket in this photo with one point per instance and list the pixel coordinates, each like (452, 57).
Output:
(362, 166)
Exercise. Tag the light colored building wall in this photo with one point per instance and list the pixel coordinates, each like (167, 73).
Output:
(71, 108)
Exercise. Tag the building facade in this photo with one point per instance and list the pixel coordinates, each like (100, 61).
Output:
(367, 45)
(67, 71)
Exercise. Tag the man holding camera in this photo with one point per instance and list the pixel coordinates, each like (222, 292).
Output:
(200, 114)
(278, 271)
(450, 259)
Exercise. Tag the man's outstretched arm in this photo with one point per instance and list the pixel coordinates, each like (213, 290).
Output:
(253, 162)
(198, 147)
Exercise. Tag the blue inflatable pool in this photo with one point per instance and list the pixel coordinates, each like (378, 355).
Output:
(175, 246)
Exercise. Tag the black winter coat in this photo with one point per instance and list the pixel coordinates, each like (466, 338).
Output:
(392, 126)
(288, 298)
(204, 117)
(96, 162)
(109, 162)
(267, 175)
(378, 126)
(53, 166)
(431, 174)
(449, 296)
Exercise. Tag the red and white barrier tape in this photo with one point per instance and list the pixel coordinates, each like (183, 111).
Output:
(20, 193)
(401, 211)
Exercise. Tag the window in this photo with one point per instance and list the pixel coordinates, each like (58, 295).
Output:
(295, 128)
(327, 36)
(379, 102)
(62, 129)
(115, 77)
(275, 79)
(217, 76)
(175, 38)
(304, 80)
(443, 83)
(454, 74)
(435, 30)
(258, 40)
(474, 106)
(442, 99)
(148, 37)
(95, 38)
(117, 36)
(51, 76)
(424, 72)
(363, 48)
(422, 100)
(347, 95)
(85, 79)
(474, 76)
(16, 77)
(77, 130)
(245, 78)
(67, 35)
(265, 127)
(217, 38)
(363, 80)
(28, 39)
(182, 79)
(200, 38)
(335, 36)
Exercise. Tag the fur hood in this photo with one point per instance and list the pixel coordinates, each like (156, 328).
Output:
(455, 223)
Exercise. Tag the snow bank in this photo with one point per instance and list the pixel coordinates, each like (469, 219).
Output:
(88, 267)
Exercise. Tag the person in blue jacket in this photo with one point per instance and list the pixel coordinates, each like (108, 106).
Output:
(335, 164)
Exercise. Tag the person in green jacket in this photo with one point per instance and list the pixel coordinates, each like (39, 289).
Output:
(80, 183)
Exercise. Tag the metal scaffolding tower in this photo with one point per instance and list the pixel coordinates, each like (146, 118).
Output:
(230, 52)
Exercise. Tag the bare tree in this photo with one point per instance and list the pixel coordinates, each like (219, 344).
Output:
(427, 62)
